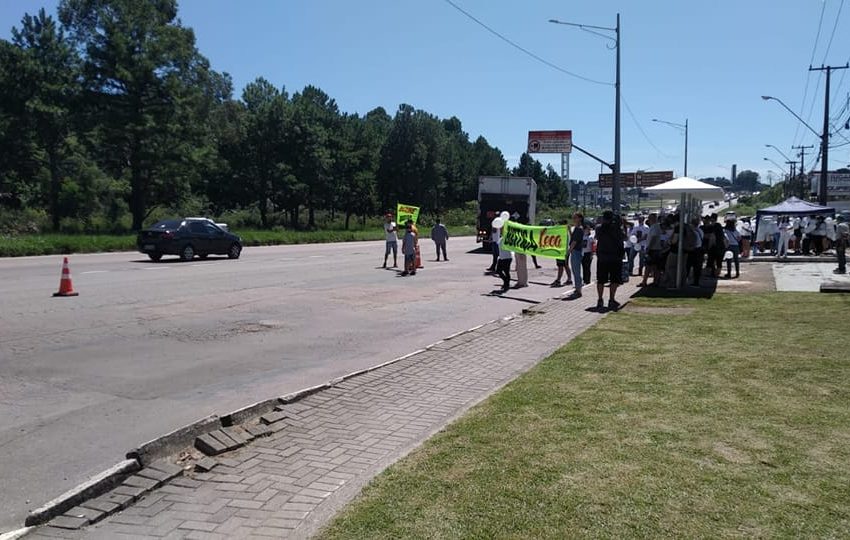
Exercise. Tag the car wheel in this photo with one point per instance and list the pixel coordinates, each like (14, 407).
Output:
(188, 253)
(234, 251)
(155, 256)
(203, 255)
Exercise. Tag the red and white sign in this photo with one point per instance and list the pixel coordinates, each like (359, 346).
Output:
(550, 142)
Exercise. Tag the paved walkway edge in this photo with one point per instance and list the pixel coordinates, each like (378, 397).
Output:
(91, 488)
(321, 513)
(170, 443)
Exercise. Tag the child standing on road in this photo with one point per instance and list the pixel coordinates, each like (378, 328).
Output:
(408, 248)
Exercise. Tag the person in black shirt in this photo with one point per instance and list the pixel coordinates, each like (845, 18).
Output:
(609, 259)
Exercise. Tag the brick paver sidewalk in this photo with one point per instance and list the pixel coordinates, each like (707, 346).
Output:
(291, 483)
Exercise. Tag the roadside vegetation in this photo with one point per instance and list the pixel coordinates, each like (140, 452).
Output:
(675, 424)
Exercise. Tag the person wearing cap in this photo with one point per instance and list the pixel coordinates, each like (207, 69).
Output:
(610, 250)
(842, 241)
(391, 230)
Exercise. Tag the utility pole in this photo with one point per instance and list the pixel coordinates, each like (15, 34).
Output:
(615, 167)
(824, 143)
(615, 195)
(792, 172)
(802, 150)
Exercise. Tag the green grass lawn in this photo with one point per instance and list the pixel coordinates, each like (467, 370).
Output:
(731, 421)
(50, 244)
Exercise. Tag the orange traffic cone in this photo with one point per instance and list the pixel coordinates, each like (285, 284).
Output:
(66, 288)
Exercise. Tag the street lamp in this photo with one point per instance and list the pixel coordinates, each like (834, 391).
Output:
(615, 184)
(778, 150)
(678, 126)
(824, 144)
(768, 98)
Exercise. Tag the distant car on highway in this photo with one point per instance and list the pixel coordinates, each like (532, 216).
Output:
(187, 238)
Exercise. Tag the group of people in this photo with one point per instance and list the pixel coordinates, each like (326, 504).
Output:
(605, 239)
(706, 244)
(410, 244)
(802, 236)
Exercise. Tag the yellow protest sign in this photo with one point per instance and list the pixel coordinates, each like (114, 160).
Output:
(551, 242)
(406, 212)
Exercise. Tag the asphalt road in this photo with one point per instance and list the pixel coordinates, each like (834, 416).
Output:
(149, 347)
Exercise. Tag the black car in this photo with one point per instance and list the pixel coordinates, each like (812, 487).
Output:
(187, 238)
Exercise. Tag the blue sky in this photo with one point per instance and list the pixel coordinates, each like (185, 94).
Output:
(706, 61)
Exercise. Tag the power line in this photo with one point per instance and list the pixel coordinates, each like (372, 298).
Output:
(811, 61)
(834, 26)
(826, 52)
(523, 49)
(640, 128)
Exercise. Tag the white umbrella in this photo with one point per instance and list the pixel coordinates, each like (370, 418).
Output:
(683, 185)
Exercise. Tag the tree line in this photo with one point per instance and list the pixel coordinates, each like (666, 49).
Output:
(111, 113)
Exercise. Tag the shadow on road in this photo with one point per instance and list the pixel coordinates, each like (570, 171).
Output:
(177, 260)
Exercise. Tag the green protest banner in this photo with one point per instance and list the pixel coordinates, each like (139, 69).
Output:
(549, 242)
(405, 212)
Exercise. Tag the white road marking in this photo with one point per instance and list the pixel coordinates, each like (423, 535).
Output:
(156, 268)
(95, 272)
(318, 256)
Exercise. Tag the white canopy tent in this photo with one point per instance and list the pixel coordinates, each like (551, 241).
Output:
(687, 191)
(674, 189)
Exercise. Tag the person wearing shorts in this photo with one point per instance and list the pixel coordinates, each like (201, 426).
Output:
(610, 251)
(391, 231)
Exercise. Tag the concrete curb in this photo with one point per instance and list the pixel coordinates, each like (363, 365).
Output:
(244, 414)
(184, 437)
(92, 487)
(172, 442)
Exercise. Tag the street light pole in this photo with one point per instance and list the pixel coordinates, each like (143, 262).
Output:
(678, 126)
(615, 191)
(615, 184)
(778, 150)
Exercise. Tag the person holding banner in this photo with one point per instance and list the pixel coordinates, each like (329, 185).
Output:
(408, 249)
(521, 262)
(563, 267)
(503, 267)
(576, 253)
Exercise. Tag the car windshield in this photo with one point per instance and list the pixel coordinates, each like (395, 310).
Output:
(166, 225)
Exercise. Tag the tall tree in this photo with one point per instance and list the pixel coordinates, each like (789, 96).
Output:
(48, 73)
(142, 72)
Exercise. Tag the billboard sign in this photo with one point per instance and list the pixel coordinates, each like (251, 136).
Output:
(837, 183)
(550, 142)
(639, 179)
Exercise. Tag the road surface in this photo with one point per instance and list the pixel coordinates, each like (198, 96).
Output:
(149, 347)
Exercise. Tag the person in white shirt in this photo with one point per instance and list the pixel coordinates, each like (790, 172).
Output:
(784, 237)
(808, 228)
(391, 230)
(746, 230)
(733, 244)
(641, 234)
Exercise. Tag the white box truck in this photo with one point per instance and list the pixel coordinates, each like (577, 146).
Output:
(514, 194)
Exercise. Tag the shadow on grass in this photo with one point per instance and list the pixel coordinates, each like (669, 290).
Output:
(707, 290)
